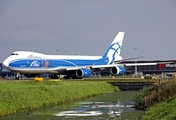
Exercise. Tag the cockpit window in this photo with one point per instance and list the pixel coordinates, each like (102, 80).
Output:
(14, 54)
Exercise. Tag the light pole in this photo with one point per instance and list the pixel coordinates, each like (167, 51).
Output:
(135, 72)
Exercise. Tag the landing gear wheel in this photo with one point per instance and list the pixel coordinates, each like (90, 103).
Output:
(54, 76)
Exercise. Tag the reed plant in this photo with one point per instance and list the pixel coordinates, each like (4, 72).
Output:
(159, 101)
(20, 96)
(145, 91)
(161, 91)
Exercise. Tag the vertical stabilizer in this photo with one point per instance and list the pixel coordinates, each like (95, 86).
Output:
(113, 52)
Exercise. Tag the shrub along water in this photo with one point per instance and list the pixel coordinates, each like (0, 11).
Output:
(163, 90)
(145, 91)
(159, 101)
(20, 96)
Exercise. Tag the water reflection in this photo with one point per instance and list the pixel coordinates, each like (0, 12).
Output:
(98, 110)
(111, 106)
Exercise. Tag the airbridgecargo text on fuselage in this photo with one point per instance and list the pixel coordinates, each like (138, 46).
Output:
(35, 57)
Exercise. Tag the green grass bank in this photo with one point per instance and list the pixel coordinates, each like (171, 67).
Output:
(159, 101)
(163, 111)
(21, 96)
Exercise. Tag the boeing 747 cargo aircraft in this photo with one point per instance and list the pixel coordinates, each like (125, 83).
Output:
(71, 66)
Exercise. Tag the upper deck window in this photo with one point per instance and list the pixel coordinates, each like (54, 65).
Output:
(14, 54)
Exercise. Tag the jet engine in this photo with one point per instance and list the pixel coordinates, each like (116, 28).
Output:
(83, 72)
(117, 70)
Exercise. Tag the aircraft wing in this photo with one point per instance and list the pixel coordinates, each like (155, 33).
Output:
(70, 68)
(107, 66)
(88, 67)
(75, 68)
(114, 68)
(93, 67)
(140, 64)
(126, 65)
(65, 68)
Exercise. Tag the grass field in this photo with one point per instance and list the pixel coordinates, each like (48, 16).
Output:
(20, 96)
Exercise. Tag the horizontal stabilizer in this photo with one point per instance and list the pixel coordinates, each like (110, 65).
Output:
(119, 61)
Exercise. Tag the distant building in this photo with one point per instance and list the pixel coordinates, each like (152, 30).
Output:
(148, 69)
(153, 69)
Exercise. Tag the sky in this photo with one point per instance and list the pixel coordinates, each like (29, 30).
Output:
(87, 27)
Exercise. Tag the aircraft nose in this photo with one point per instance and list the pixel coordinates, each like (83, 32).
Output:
(5, 63)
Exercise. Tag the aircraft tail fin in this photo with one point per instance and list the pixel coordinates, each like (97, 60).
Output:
(113, 52)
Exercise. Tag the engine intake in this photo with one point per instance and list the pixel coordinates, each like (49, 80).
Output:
(83, 72)
(117, 70)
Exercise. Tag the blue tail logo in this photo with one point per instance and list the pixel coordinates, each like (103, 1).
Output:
(113, 52)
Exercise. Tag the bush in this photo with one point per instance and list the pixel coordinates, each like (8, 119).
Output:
(140, 96)
(159, 101)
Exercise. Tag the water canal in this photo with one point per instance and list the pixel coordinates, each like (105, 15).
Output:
(111, 106)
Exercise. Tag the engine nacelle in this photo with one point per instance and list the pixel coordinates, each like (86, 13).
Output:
(83, 72)
(117, 70)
